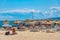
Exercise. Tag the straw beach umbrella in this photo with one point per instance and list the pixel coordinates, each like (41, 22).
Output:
(17, 22)
(6, 21)
(56, 22)
(48, 24)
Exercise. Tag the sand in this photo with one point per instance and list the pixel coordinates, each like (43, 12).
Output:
(27, 35)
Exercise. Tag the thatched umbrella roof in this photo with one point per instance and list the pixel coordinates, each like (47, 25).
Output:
(17, 21)
(57, 21)
(6, 21)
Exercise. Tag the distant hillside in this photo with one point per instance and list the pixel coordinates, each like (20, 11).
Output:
(56, 18)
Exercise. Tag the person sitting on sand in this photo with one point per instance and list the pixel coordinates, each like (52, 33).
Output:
(13, 31)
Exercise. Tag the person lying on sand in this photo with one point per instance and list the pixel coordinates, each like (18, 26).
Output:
(13, 32)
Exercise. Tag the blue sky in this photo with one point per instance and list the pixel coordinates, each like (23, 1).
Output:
(41, 6)
(31, 4)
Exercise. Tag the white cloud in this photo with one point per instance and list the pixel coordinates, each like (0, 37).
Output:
(55, 7)
(3, 17)
(10, 16)
(54, 11)
(21, 10)
(38, 14)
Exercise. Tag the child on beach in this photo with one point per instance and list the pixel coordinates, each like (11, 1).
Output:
(13, 31)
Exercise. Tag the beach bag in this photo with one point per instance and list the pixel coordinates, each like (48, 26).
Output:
(7, 33)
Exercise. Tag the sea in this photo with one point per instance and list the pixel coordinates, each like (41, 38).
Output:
(10, 22)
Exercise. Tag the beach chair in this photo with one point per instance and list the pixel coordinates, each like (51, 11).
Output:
(35, 29)
(23, 28)
(57, 28)
(43, 28)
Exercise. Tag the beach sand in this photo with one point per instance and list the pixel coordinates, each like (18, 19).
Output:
(27, 35)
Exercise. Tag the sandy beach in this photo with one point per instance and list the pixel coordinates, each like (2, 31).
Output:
(27, 35)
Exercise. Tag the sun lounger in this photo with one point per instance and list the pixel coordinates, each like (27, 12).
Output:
(35, 29)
